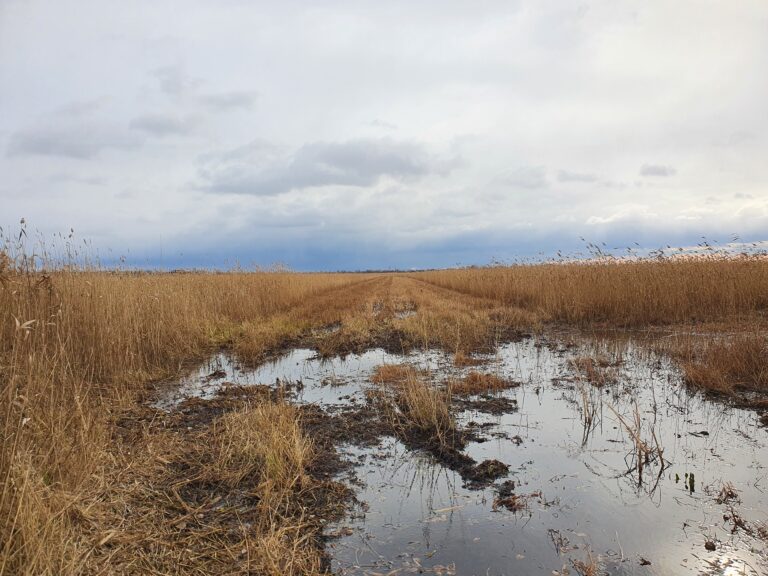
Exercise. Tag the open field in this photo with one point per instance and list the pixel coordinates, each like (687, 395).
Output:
(121, 454)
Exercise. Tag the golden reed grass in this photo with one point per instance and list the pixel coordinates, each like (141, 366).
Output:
(479, 383)
(77, 348)
(621, 293)
(705, 296)
(413, 403)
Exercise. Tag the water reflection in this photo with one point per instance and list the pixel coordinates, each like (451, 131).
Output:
(627, 472)
(579, 449)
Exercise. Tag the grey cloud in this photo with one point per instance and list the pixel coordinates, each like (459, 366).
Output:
(528, 177)
(163, 125)
(69, 141)
(377, 123)
(260, 169)
(657, 170)
(230, 100)
(566, 176)
(174, 81)
(85, 180)
(80, 108)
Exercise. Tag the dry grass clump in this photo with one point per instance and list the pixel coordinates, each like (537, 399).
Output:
(597, 371)
(478, 383)
(392, 373)
(461, 359)
(727, 494)
(418, 410)
(261, 449)
(427, 409)
(729, 365)
(265, 444)
(230, 496)
(590, 566)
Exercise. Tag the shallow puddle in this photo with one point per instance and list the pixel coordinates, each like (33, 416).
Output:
(323, 381)
(578, 491)
(574, 488)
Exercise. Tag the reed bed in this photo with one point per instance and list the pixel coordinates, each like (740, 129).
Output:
(621, 293)
(76, 348)
(79, 346)
(728, 365)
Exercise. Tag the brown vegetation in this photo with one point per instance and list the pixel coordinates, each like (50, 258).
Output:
(462, 359)
(620, 293)
(76, 349)
(93, 481)
(596, 371)
(590, 566)
(478, 383)
(392, 373)
(419, 410)
(729, 365)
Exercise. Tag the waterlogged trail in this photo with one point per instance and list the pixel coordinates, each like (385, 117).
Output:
(613, 464)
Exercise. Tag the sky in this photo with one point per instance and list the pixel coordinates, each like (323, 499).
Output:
(368, 134)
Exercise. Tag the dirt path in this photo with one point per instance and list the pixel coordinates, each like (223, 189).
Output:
(168, 512)
(394, 312)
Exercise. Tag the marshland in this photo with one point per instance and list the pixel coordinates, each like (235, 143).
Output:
(584, 417)
(383, 288)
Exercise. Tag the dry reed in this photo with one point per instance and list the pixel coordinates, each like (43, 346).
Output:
(78, 347)
(478, 383)
(621, 293)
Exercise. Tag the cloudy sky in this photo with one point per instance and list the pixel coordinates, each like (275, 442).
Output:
(365, 134)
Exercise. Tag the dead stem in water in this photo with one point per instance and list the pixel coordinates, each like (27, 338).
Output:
(646, 452)
(587, 567)
(596, 371)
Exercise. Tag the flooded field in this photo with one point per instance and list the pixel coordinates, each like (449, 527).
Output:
(612, 463)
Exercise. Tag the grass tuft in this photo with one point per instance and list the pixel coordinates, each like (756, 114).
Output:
(478, 383)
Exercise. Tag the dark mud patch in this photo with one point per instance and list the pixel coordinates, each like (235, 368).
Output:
(197, 413)
(487, 404)
(360, 425)
(450, 454)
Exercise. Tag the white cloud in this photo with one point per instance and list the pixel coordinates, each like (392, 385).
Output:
(528, 177)
(231, 100)
(583, 177)
(609, 120)
(657, 170)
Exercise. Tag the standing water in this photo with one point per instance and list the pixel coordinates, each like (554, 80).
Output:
(636, 476)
